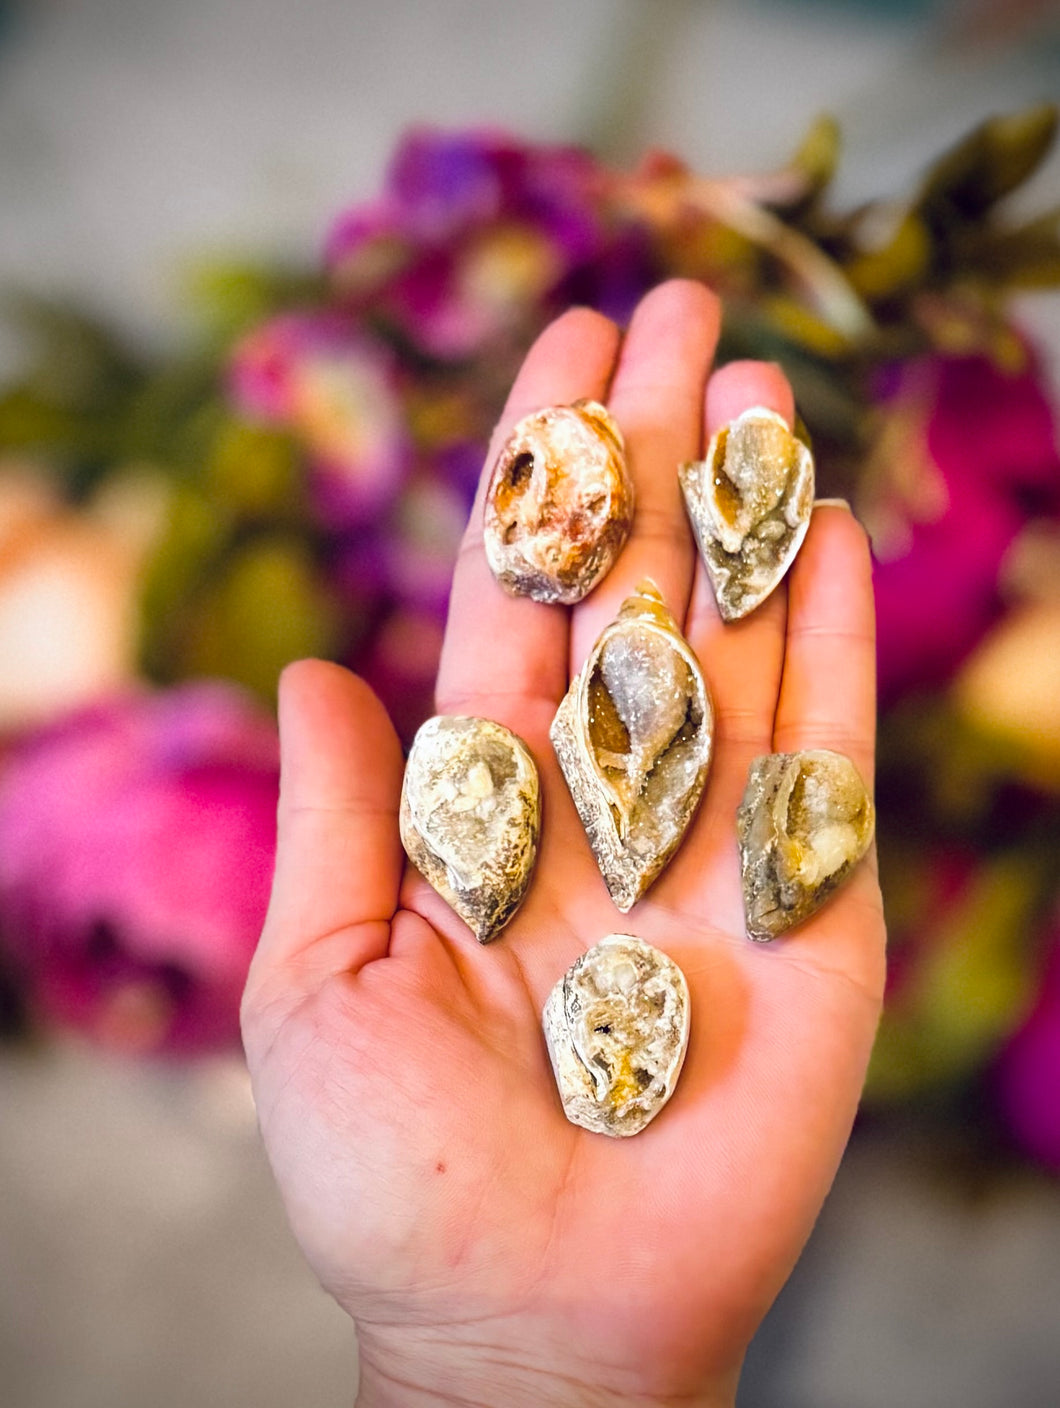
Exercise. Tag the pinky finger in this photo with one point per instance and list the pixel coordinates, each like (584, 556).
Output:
(828, 691)
(828, 700)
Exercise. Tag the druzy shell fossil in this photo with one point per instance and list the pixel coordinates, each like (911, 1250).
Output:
(616, 1025)
(559, 505)
(749, 502)
(805, 821)
(470, 817)
(633, 736)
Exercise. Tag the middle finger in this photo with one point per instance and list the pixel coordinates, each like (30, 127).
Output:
(657, 400)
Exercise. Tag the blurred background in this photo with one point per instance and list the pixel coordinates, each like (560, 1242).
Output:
(265, 273)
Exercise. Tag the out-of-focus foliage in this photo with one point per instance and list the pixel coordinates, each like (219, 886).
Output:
(298, 481)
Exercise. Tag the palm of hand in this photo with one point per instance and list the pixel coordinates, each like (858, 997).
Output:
(402, 1080)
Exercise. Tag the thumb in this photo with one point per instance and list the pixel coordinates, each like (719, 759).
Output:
(338, 855)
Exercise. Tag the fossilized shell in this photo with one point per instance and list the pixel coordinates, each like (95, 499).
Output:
(805, 821)
(750, 502)
(559, 505)
(470, 817)
(616, 1025)
(633, 736)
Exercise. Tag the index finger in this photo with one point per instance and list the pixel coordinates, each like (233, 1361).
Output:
(499, 647)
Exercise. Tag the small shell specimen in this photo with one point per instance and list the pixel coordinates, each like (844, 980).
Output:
(616, 1025)
(559, 505)
(470, 817)
(750, 502)
(633, 736)
(805, 821)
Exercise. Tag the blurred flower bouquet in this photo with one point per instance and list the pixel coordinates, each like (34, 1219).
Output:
(298, 482)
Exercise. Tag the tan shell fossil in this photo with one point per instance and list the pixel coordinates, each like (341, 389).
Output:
(470, 817)
(559, 505)
(750, 502)
(616, 1025)
(633, 736)
(805, 821)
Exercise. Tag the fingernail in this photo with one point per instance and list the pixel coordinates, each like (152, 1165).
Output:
(833, 503)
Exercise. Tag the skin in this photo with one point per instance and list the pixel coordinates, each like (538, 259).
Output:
(490, 1252)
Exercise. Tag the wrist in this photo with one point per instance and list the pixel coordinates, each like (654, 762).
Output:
(420, 1368)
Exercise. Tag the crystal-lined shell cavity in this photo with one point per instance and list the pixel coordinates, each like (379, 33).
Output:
(749, 502)
(470, 817)
(559, 506)
(805, 821)
(633, 736)
(616, 1026)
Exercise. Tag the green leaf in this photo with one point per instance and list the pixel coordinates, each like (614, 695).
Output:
(898, 264)
(968, 989)
(173, 416)
(253, 470)
(76, 443)
(68, 405)
(228, 297)
(192, 546)
(268, 606)
(1025, 257)
(817, 155)
(794, 322)
(988, 164)
(75, 359)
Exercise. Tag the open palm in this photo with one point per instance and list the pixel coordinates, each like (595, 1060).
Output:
(490, 1251)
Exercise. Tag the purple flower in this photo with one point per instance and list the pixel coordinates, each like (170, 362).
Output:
(1026, 1074)
(136, 849)
(974, 455)
(337, 390)
(401, 665)
(420, 545)
(479, 236)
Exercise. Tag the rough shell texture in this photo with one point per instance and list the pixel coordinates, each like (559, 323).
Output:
(805, 821)
(750, 502)
(559, 505)
(633, 736)
(470, 817)
(616, 1025)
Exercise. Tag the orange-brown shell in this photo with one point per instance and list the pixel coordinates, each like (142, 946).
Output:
(559, 506)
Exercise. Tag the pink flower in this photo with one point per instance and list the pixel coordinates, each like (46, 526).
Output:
(1028, 1070)
(337, 390)
(978, 460)
(136, 849)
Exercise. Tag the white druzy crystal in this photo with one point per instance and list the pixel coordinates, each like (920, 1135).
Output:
(617, 1025)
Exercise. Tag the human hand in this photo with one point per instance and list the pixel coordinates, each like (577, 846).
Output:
(490, 1252)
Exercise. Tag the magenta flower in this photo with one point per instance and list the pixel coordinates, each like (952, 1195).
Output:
(1026, 1074)
(990, 461)
(337, 390)
(136, 849)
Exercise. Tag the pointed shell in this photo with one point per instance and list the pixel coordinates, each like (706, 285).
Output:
(750, 502)
(559, 506)
(470, 817)
(633, 736)
(805, 821)
(616, 1025)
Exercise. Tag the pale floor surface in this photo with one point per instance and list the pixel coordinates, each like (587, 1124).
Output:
(146, 1261)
